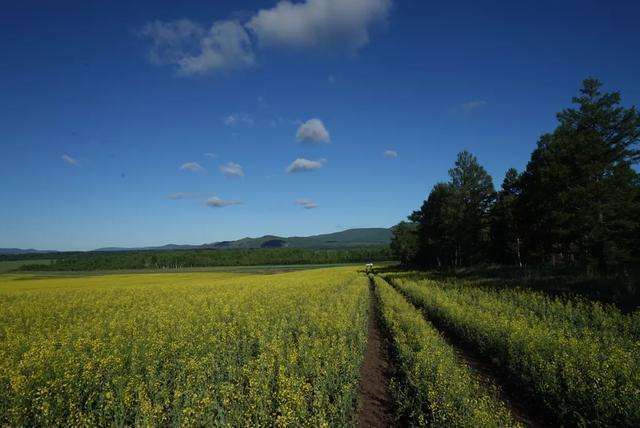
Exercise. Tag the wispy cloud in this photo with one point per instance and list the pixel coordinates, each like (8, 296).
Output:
(69, 160)
(238, 119)
(314, 131)
(211, 155)
(191, 166)
(193, 50)
(471, 106)
(178, 195)
(390, 154)
(232, 169)
(216, 202)
(188, 195)
(302, 164)
(305, 203)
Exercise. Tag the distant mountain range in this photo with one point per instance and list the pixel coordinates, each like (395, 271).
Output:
(347, 238)
(24, 251)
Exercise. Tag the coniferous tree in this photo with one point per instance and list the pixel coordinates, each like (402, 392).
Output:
(436, 227)
(579, 188)
(472, 196)
(454, 220)
(505, 237)
(405, 242)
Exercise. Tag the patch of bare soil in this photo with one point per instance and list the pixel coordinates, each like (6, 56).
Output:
(375, 404)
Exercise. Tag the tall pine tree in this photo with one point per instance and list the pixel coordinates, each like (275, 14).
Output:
(579, 189)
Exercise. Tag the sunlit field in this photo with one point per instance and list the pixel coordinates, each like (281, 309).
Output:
(289, 348)
(182, 349)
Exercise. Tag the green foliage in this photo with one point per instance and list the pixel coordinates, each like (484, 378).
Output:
(577, 202)
(505, 236)
(127, 260)
(579, 359)
(434, 389)
(405, 242)
(453, 221)
(579, 192)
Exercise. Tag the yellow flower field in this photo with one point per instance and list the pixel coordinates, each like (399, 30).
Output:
(182, 349)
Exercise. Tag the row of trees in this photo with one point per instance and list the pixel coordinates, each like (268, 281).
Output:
(577, 202)
(92, 261)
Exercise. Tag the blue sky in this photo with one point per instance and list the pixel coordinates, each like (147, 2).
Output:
(149, 122)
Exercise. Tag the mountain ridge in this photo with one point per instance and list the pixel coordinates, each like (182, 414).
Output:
(346, 238)
(356, 237)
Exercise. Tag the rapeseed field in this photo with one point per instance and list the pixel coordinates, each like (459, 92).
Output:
(182, 349)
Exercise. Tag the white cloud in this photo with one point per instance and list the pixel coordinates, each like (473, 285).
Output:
(232, 169)
(313, 130)
(319, 24)
(193, 50)
(327, 25)
(211, 155)
(305, 203)
(302, 164)
(191, 166)
(172, 41)
(471, 105)
(390, 154)
(178, 195)
(216, 202)
(68, 159)
(238, 119)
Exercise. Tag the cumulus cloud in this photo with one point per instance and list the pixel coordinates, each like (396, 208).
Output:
(216, 202)
(390, 154)
(301, 164)
(69, 160)
(471, 105)
(305, 203)
(314, 131)
(232, 169)
(238, 119)
(191, 166)
(325, 25)
(194, 50)
(319, 24)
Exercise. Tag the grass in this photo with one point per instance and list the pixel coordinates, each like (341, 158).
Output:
(182, 349)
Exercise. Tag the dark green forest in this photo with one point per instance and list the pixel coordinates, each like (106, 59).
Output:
(577, 203)
(165, 259)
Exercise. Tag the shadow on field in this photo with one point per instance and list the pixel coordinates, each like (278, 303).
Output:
(621, 290)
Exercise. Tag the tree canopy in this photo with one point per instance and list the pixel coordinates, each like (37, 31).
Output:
(577, 201)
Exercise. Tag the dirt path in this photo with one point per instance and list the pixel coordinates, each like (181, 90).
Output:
(375, 407)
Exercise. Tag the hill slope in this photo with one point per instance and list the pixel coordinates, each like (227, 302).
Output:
(346, 238)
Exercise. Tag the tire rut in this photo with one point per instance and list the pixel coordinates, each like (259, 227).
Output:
(375, 404)
(489, 374)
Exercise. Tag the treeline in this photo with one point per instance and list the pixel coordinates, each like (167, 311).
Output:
(179, 259)
(577, 202)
